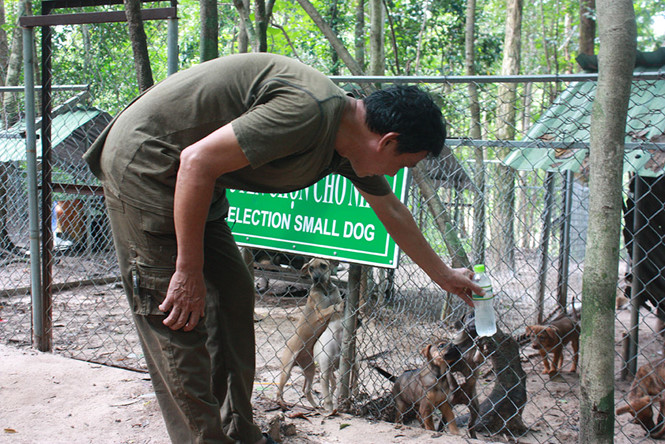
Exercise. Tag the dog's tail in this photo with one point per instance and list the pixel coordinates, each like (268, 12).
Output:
(384, 373)
(624, 409)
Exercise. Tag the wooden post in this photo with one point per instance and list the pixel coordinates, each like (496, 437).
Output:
(349, 324)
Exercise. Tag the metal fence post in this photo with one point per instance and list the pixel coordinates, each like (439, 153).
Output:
(38, 333)
(637, 290)
(172, 46)
(545, 242)
(564, 255)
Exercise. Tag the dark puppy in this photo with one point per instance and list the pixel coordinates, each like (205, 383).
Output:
(426, 389)
(552, 338)
(464, 358)
(501, 411)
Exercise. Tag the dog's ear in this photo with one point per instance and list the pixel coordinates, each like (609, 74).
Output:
(535, 329)
(532, 330)
(551, 332)
(334, 266)
(478, 357)
(426, 352)
(305, 268)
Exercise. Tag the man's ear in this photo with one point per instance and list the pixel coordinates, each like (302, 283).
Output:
(387, 140)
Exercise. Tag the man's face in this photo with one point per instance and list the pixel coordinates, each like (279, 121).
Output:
(388, 162)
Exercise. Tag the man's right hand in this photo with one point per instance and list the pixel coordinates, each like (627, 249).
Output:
(185, 301)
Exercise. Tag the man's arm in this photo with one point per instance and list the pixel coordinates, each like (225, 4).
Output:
(200, 166)
(399, 223)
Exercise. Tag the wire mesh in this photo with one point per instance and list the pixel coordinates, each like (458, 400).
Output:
(528, 226)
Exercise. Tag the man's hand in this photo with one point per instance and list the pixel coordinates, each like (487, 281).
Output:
(459, 281)
(200, 165)
(185, 299)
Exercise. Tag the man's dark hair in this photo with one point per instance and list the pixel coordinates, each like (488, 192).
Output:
(412, 113)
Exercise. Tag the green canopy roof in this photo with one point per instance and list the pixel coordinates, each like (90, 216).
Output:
(568, 121)
(71, 134)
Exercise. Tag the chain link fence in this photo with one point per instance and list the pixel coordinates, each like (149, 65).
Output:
(526, 224)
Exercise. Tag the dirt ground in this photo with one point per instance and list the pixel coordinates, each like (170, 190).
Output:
(45, 398)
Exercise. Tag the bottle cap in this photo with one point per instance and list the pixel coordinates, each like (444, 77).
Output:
(480, 268)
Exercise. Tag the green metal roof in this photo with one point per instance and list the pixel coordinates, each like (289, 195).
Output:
(568, 120)
(63, 126)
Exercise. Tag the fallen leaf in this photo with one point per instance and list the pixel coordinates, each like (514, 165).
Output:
(7, 430)
(303, 415)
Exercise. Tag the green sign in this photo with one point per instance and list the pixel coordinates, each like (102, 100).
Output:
(329, 219)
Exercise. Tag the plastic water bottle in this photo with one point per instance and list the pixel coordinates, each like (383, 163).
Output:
(484, 305)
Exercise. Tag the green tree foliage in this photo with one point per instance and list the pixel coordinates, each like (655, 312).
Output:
(100, 55)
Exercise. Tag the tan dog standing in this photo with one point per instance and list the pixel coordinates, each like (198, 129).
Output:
(647, 391)
(323, 301)
(552, 338)
(327, 353)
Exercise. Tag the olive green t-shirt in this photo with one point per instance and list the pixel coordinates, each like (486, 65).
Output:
(284, 114)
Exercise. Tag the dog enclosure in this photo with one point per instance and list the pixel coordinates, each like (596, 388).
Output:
(527, 225)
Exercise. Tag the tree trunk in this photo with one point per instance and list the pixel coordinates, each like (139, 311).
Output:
(87, 48)
(256, 33)
(261, 19)
(377, 57)
(616, 60)
(4, 59)
(336, 43)
(551, 86)
(14, 67)
(475, 134)
(334, 25)
(242, 6)
(139, 44)
(504, 230)
(209, 40)
(421, 35)
(587, 26)
(4, 48)
(393, 39)
(568, 31)
(359, 33)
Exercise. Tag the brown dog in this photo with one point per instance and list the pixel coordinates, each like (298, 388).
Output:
(323, 301)
(552, 338)
(647, 391)
(426, 389)
(463, 357)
